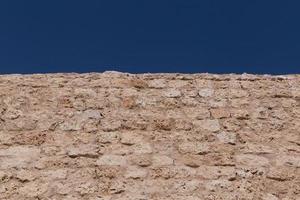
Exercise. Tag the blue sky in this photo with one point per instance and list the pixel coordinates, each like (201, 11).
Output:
(216, 36)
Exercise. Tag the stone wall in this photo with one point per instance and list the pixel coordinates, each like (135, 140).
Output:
(114, 136)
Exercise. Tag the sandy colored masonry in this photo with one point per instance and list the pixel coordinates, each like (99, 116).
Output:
(119, 136)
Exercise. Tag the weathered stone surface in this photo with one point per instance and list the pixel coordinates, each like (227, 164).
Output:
(120, 136)
(193, 148)
(206, 92)
(83, 150)
(18, 157)
(252, 160)
(135, 172)
(208, 124)
(130, 138)
(157, 83)
(162, 160)
(173, 93)
(219, 113)
(111, 160)
(227, 137)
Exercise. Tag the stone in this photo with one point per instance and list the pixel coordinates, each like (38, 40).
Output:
(83, 150)
(142, 148)
(108, 137)
(197, 113)
(135, 173)
(56, 174)
(216, 172)
(172, 93)
(141, 160)
(71, 125)
(208, 124)
(164, 124)
(112, 160)
(117, 187)
(280, 174)
(91, 114)
(206, 92)
(25, 175)
(129, 138)
(191, 161)
(111, 125)
(157, 83)
(162, 160)
(24, 123)
(87, 119)
(269, 196)
(227, 137)
(18, 157)
(33, 189)
(255, 148)
(252, 160)
(240, 114)
(215, 185)
(219, 113)
(286, 160)
(3, 175)
(199, 148)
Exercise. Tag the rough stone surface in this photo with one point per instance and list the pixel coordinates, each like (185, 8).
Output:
(119, 136)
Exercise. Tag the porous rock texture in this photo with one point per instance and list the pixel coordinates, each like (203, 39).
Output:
(113, 136)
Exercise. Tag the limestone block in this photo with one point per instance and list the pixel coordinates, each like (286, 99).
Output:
(280, 173)
(135, 173)
(83, 150)
(18, 157)
(269, 197)
(227, 137)
(208, 124)
(108, 137)
(287, 160)
(219, 113)
(157, 83)
(162, 160)
(252, 160)
(206, 92)
(142, 148)
(143, 160)
(130, 138)
(215, 185)
(32, 189)
(172, 93)
(26, 175)
(194, 148)
(112, 160)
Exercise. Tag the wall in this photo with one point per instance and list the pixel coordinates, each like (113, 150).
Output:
(119, 136)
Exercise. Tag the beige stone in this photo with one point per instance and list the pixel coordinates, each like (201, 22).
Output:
(206, 92)
(173, 93)
(111, 160)
(130, 138)
(135, 173)
(252, 160)
(162, 160)
(227, 137)
(143, 160)
(83, 150)
(18, 156)
(208, 124)
(219, 113)
(157, 83)
(193, 147)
